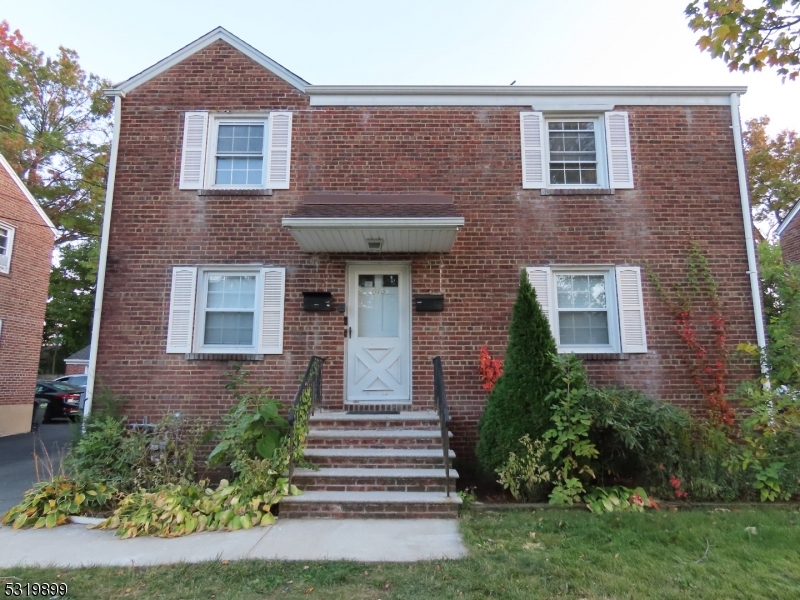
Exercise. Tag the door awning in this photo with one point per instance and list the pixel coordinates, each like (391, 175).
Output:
(381, 223)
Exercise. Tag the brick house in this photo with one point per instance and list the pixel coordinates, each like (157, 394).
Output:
(26, 248)
(254, 217)
(78, 362)
(789, 234)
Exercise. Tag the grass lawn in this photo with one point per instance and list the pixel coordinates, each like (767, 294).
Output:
(704, 554)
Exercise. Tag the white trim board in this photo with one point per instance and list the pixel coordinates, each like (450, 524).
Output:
(220, 33)
(788, 219)
(25, 192)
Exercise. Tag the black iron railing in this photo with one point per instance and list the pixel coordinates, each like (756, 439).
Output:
(440, 402)
(308, 395)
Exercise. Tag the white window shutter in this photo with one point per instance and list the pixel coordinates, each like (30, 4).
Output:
(540, 282)
(181, 310)
(280, 150)
(618, 142)
(5, 258)
(631, 310)
(270, 339)
(534, 137)
(193, 154)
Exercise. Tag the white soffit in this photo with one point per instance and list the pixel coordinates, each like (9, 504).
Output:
(548, 98)
(788, 219)
(25, 192)
(220, 33)
(429, 234)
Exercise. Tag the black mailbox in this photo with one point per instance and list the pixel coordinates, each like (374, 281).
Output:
(429, 302)
(317, 301)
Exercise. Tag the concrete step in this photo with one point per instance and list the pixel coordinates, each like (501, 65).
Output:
(374, 480)
(370, 505)
(376, 457)
(366, 420)
(373, 438)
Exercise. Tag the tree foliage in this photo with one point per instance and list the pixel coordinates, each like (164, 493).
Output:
(773, 169)
(764, 34)
(780, 289)
(516, 406)
(55, 130)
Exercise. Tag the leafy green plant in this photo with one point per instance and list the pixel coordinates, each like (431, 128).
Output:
(49, 503)
(618, 498)
(253, 428)
(524, 473)
(570, 447)
(186, 508)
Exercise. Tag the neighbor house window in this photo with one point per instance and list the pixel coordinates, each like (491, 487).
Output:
(6, 245)
(226, 309)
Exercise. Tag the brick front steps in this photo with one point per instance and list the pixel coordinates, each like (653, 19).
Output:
(374, 465)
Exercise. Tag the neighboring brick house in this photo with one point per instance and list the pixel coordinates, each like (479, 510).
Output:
(78, 363)
(789, 234)
(26, 248)
(236, 187)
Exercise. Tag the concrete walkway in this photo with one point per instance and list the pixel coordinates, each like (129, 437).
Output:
(374, 540)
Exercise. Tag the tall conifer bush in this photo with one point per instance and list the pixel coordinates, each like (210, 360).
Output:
(516, 405)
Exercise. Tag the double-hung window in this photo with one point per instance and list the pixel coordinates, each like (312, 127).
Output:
(575, 151)
(247, 151)
(592, 310)
(6, 245)
(226, 309)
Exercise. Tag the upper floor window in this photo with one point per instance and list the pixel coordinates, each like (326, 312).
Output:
(247, 151)
(6, 245)
(575, 151)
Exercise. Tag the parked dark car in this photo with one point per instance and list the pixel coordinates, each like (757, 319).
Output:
(63, 399)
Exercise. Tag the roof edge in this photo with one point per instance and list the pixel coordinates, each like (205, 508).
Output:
(220, 33)
(506, 90)
(26, 192)
(788, 219)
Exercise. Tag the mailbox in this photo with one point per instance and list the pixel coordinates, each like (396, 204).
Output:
(429, 302)
(317, 301)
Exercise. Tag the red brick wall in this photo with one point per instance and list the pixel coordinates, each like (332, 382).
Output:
(790, 242)
(23, 295)
(72, 369)
(686, 188)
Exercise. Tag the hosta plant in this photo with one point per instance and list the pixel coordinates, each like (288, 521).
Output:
(50, 503)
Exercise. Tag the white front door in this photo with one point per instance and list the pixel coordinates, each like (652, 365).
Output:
(379, 332)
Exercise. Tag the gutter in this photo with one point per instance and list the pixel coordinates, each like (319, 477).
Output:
(101, 267)
(752, 264)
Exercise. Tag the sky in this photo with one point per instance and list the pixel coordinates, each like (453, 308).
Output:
(430, 42)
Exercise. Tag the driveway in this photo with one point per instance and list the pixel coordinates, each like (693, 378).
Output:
(17, 463)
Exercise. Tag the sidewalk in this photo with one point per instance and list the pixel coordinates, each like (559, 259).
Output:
(364, 540)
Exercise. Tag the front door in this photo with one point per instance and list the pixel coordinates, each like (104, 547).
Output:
(379, 332)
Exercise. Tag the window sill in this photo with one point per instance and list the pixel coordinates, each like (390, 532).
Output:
(577, 192)
(195, 356)
(597, 355)
(243, 192)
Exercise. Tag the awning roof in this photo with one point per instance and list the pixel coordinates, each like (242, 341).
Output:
(375, 223)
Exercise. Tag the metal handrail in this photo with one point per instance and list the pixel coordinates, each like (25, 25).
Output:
(440, 403)
(313, 380)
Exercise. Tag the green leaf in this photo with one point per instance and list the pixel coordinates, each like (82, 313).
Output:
(51, 520)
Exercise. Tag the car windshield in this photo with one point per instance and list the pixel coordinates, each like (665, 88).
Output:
(63, 387)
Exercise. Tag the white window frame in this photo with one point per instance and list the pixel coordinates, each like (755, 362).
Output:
(612, 309)
(201, 299)
(5, 257)
(215, 121)
(601, 154)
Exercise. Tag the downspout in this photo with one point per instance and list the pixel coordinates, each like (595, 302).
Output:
(101, 267)
(752, 264)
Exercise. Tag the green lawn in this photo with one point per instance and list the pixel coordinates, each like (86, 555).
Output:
(705, 554)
